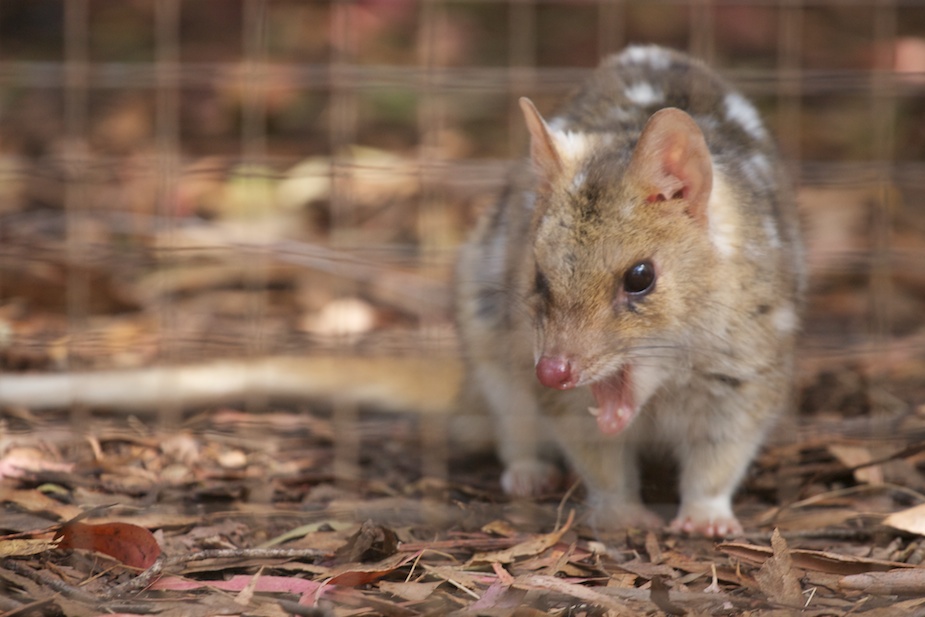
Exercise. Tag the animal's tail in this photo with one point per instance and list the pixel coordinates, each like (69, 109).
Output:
(421, 385)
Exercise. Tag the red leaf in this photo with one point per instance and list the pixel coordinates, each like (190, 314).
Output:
(132, 545)
(352, 575)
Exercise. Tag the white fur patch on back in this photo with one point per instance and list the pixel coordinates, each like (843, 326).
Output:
(757, 168)
(643, 93)
(656, 57)
(740, 111)
(556, 124)
(572, 145)
(620, 114)
(723, 218)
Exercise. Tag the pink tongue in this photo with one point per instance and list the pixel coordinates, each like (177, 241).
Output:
(614, 397)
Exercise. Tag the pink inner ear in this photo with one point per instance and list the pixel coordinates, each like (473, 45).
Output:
(671, 161)
(659, 197)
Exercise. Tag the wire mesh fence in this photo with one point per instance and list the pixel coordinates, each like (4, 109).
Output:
(184, 183)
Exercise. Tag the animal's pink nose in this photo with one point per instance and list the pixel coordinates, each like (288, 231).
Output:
(555, 373)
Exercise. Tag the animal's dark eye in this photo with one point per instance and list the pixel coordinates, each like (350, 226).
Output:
(639, 279)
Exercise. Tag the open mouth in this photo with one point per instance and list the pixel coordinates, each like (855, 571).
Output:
(616, 406)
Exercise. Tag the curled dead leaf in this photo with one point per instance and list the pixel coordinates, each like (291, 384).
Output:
(777, 576)
(130, 544)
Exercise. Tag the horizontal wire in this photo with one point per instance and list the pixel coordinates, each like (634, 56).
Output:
(366, 77)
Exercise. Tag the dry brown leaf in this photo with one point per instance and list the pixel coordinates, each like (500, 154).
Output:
(821, 561)
(911, 520)
(659, 595)
(411, 591)
(653, 548)
(154, 519)
(906, 582)
(826, 561)
(370, 542)
(777, 578)
(18, 461)
(812, 518)
(246, 595)
(500, 528)
(362, 603)
(892, 609)
(504, 577)
(647, 570)
(351, 575)
(624, 580)
(458, 576)
(128, 543)
(20, 547)
(36, 501)
(581, 592)
(499, 597)
(853, 456)
(686, 563)
(530, 548)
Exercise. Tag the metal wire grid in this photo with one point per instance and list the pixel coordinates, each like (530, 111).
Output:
(344, 75)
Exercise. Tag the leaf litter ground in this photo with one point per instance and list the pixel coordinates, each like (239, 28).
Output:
(247, 516)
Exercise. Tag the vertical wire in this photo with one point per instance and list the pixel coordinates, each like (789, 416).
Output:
(883, 119)
(790, 81)
(343, 117)
(702, 36)
(788, 120)
(343, 129)
(254, 164)
(76, 68)
(167, 109)
(76, 101)
(253, 121)
(523, 79)
(522, 70)
(701, 42)
(611, 26)
(433, 218)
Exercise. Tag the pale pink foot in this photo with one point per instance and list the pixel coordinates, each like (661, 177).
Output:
(721, 528)
(713, 519)
(530, 478)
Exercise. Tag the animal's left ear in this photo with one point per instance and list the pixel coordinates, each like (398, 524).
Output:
(671, 161)
(547, 160)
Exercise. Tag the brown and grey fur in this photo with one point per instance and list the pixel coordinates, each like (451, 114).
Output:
(711, 346)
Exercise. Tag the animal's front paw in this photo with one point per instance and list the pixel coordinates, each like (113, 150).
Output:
(717, 528)
(530, 478)
(713, 519)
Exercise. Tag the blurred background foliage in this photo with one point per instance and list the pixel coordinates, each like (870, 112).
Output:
(156, 156)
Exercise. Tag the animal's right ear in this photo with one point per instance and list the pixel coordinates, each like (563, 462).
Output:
(547, 160)
(672, 161)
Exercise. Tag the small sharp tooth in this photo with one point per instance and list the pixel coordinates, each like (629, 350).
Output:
(594, 411)
(622, 411)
